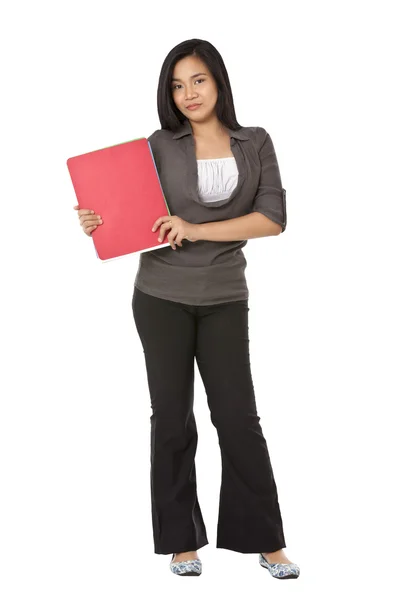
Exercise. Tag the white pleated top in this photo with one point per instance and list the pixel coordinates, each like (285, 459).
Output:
(217, 178)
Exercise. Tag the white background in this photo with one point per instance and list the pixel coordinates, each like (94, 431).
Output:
(321, 78)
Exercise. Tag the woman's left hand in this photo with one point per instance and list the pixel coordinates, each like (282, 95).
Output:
(179, 230)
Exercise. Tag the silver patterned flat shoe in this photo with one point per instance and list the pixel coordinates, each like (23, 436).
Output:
(186, 567)
(280, 570)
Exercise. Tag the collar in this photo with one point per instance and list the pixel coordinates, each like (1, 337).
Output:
(186, 129)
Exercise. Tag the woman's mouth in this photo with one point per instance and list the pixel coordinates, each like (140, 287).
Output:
(193, 106)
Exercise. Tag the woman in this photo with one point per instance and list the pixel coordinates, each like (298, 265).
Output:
(190, 301)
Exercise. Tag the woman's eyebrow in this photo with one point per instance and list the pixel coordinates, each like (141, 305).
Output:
(191, 77)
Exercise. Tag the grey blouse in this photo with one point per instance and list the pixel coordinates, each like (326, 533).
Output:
(204, 272)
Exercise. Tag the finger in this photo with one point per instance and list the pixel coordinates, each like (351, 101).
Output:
(92, 219)
(178, 240)
(161, 234)
(85, 211)
(89, 230)
(171, 239)
(157, 223)
(89, 223)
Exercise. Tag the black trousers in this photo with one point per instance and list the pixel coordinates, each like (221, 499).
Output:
(173, 335)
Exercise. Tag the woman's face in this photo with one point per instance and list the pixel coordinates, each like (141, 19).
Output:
(192, 83)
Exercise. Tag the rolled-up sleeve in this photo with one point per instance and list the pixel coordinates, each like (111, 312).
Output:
(270, 198)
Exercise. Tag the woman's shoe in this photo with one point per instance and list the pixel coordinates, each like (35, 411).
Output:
(186, 567)
(280, 570)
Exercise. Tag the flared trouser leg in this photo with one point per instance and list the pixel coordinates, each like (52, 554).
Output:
(168, 334)
(249, 519)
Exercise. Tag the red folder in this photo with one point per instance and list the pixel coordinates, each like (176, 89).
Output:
(121, 184)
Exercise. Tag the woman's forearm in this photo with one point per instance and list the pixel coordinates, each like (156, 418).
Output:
(253, 225)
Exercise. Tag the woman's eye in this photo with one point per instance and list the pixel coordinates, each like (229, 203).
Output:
(174, 87)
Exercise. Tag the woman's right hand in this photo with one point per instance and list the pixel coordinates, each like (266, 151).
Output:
(88, 220)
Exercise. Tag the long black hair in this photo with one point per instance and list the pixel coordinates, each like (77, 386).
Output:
(170, 116)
